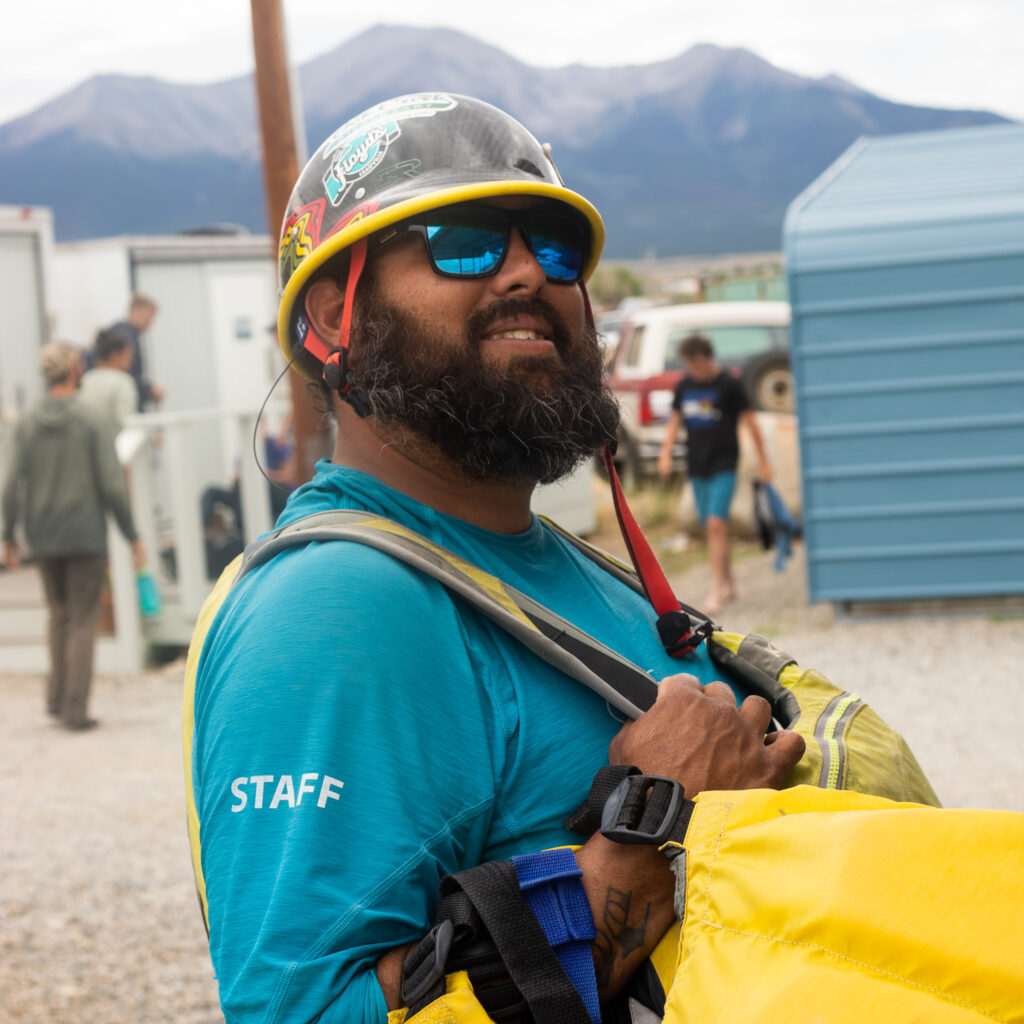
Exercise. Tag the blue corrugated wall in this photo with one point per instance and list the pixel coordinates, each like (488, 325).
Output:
(905, 266)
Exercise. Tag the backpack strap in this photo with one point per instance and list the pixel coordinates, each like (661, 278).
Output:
(569, 649)
(557, 641)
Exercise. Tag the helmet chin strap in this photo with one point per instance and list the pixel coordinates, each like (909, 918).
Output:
(336, 373)
(681, 628)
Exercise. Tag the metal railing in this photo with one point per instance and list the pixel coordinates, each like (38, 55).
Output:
(159, 452)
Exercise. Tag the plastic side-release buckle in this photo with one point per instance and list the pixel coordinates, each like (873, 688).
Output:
(425, 966)
(680, 633)
(645, 809)
(338, 377)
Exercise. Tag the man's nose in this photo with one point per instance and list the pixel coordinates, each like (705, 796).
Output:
(519, 270)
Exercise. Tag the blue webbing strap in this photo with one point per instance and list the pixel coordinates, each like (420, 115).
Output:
(551, 887)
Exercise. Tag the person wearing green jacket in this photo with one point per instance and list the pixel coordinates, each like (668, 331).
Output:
(64, 477)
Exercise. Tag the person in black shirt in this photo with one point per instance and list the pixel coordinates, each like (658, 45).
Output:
(140, 315)
(711, 403)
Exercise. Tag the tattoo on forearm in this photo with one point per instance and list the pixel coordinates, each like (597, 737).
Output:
(616, 930)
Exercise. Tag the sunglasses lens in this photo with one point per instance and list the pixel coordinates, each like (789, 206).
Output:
(471, 241)
(557, 243)
(468, 244)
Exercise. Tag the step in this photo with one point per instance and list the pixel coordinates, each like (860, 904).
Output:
(22, 621)
(32, 657)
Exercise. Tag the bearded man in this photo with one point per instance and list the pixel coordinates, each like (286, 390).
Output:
(354, 732)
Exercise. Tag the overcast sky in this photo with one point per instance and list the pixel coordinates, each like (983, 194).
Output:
(943, 53)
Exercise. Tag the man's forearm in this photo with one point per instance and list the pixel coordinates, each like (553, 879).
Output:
(750, 422)
(389, 974)
(630, 890)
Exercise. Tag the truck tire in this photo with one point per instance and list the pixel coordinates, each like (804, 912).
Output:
(769, 383)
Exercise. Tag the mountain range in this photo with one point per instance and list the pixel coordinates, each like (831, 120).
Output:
(697, 154)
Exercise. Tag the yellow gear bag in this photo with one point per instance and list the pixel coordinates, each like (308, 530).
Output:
(841, 907)
(833, 907)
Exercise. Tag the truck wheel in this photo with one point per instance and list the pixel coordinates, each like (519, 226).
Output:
(769, 383)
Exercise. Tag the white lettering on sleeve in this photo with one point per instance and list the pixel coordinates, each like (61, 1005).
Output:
(239, 794)
(326, 790)
(285, 791)
(304, 786)
(260, 781)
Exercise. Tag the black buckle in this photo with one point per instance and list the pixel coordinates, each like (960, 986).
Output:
(338, 377)
(623, 820)
(681, 632)
(425, 966)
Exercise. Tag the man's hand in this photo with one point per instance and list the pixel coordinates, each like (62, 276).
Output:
(697, 736)
(12, 555)
(138, 554)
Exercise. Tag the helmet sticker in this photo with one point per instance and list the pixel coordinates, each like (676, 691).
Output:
(359, 145)
(396, 172)
(300, 236)
(352, 216)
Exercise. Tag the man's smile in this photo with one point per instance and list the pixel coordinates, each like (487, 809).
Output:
(529, 337)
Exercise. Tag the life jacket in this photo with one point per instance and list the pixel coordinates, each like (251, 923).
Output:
(830, 892)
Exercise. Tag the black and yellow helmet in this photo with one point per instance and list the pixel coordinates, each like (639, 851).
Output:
(397, 159)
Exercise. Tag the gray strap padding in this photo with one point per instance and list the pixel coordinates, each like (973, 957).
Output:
(549, 636)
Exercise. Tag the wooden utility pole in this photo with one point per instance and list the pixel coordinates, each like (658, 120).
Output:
(280, 169)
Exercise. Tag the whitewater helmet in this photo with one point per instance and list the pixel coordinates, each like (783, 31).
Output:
(398, 159)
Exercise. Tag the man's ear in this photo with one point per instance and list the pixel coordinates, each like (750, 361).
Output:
(325, 302)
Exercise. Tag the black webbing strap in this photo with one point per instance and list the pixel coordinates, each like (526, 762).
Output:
(632, 682)
(487, 912)
(586, 819)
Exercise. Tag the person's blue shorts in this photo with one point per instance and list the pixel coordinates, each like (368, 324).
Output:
(713, 495)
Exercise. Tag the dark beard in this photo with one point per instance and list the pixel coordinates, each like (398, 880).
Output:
(530, 418)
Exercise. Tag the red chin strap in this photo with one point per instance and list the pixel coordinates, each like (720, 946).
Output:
(336, 373)
(681, 628)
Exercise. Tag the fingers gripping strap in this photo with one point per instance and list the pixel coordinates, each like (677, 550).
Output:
(550, 882)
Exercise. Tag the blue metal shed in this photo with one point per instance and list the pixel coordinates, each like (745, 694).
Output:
(905, 265)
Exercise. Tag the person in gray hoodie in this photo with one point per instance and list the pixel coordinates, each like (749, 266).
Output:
(63, 478)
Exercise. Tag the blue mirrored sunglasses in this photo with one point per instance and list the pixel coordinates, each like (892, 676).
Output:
(471, 241)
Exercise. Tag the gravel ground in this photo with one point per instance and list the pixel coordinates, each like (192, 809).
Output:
(98, 916)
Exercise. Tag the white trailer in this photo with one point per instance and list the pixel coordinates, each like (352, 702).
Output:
(26, 259)
(210, 346)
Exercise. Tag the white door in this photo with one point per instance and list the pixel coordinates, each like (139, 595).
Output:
(22, 326)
